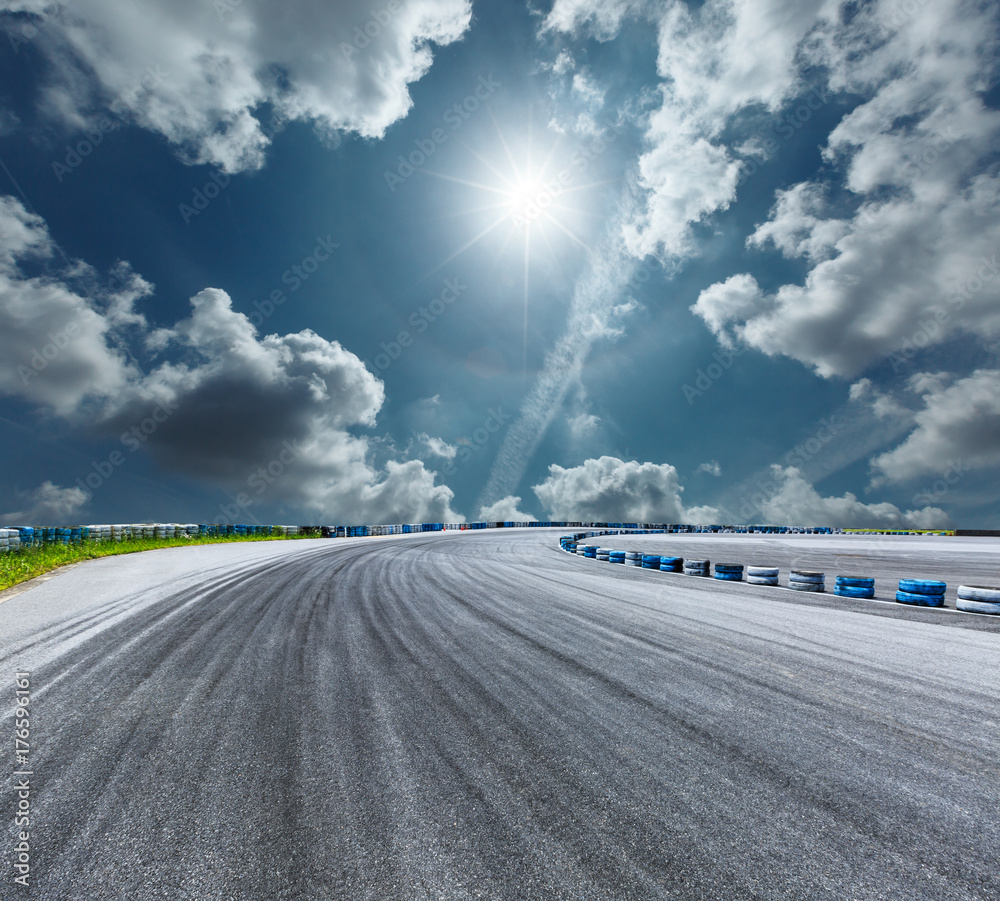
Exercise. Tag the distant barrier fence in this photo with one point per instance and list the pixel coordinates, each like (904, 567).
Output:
(13, 538)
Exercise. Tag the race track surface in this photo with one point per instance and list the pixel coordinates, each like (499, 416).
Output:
(480, 715)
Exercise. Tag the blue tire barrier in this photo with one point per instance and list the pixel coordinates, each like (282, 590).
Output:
(977, 599)
(851, 591)
(729, 572)
(590, 551)
(671, 564)
(854, 587)
(650, 561)
(922, 586)
(855, 581)
(920, 600)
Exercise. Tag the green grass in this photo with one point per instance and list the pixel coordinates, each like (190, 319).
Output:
(26, 563)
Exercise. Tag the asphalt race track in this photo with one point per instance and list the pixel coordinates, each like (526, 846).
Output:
(480, 715)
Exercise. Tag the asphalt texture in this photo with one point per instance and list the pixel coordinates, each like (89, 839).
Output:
(482, 715)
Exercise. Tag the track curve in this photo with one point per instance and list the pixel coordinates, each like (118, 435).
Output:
(480, 715)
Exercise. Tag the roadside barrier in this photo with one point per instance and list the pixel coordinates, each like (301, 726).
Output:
(697, 567)
(915, 592)
(806, 580)
(921, 592)
(762, 575)
(729, 572)
(976, 599)
(854, 587)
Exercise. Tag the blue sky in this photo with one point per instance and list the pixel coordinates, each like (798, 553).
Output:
(718, 262)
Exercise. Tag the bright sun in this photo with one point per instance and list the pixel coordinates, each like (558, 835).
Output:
(523, 202)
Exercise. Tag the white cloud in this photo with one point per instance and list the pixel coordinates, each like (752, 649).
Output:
(883, 405)
(270, 417)
(711, 467)
(793, 501)
(601, 19)
(436, 447)
(242, 408)
(608, 489)
(959, 426)
(48, 504)
(210, 67)
(583, 425)
(58, 346)
(915, 263)
(715, 62)
(505, 510)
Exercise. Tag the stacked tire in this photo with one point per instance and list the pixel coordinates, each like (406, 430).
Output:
(921, 592)
(762, 575)
(603, 554)
(697, 567)
(806, 580)
(729, 572)
(671, 564)
(976, 599)
(633, 558)
(616, 556)
(650, 561)
(854, 587)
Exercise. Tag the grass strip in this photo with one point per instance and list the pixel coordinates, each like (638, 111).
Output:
(26, 563)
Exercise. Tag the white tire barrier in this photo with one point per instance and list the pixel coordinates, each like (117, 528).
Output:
(806, 580)
(697, 567)
(976, 599)
(762, 575)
